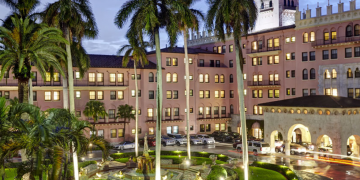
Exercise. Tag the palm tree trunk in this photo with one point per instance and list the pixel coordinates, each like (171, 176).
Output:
(158, 105)
(136, 114)
(31, 94)
(2, 170)
(70, 71)
(65, 166)
(124, 128)
(65, 93)
(187, 87)
(23, 90)
(240, 83)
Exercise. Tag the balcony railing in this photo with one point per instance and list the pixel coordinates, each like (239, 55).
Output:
(263, 83)
(344, 39)
(263, 49)
(85, 82)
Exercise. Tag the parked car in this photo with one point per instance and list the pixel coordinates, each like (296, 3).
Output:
(308, 145)
(296, 149)
(256, 147)
(194, 140)
(279, 149)
(327, 148)
(235, 136)
(179, 139)
(206, 139)
(125, 145)
(222, 136)
(167, 141)
(151, 141)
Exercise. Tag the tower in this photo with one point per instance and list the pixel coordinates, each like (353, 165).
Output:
(275, 13)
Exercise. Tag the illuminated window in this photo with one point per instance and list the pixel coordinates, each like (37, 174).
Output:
(100, 95)
(201, 94)
(254, 45)
(175, 78)
(254, 61)
(288, 56)
(120, 94)
(47, 95)
(120, 78)
(216, 94)
(168, 61)
(334, 92)
(201, 78)
(168, 94)
(100, 77)
(293, 39)
(56, 77)
(326, 36)
(244, 92)
(219, 49)
(223, 127)
(305, 37)
(92, 95)
(112, 77)
(222, 78)
(270, 93)
(47, 77)
(276, 60)
(287, 40)
(151, 131)
(334, 74)
(255, 110)
(276, 42)
(201, 110)
(222, 94)
(244, 75)
(150, 113)
(190, 61)
(260, 110)
(270, 43)
(270, 60)
(277, 93)
(208, 110)
(207, 94)
(312, 36)
(168, 77)
(174, 61)
(120, 132)
(113, 133)
(276, 77)
(333, 35)
(78, 94)
(206, 78)
(91, 77)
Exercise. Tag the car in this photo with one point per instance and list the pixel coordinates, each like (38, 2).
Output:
(296, 149)
(308, 145)
(151, 141)
(206, 139)
(236, 136)
(179, 139)
(256, 147)
(222, 136)
(194, 140)
(167, 141)
(327, 148)
(125, 145)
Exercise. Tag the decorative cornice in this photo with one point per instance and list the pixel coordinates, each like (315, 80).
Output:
(59, 88)
(217, 119)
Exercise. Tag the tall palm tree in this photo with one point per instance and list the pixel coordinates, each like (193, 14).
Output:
(150, 16)
(76, 20)
(188, 19)
(234, 17)
(95, 110)
(26, 44)
(126, 112)
(135, 51)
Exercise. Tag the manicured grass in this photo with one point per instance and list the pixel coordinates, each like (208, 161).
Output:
(260, 174)
(10, 174)
(177, 160)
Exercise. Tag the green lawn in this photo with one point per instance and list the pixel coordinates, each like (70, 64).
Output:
(261, 174)
(177, 160)
(10, 174)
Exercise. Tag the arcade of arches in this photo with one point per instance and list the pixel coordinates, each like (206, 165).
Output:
(330, 123)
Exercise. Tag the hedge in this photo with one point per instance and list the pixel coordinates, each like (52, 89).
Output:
(284, 170)
(70, 168)
(221, 157)
(216, 173)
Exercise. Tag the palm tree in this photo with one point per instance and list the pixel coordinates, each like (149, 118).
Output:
(76, 20)
(136, 52)
(26, 44)
(126, 112)
(236, 17)
(95, 110)
(188, 19)
(150, 16)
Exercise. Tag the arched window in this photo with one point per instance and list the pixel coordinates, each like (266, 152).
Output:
(231, 78)
(357, 73)
(349, 73)
(327, 74)
(348, 31)
(305, 37)
(262, 6)
(151, 77)
(312, 73)
(168, 77)
(292, 3)
(201, 78)
(231, 109)
(175, 78)
(206, 78)
(216, 78)
(312, 36)
(356, 30)
(222, 78)
(333, 74)
(305, 74)
(270, 4)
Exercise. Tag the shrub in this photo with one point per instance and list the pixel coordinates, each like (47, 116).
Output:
(81, 165)
(284, 170)
(216, 173)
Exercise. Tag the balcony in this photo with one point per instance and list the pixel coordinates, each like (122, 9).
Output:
(264, 51)
(215, 116)
(85, 82)
(263, 83)
(318, 43)
(166, 118)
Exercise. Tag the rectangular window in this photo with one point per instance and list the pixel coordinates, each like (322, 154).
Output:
(276, 60)
(176, 111)
(254, 93)
(217, 127)
(357, 93)
(287, 40)
(277, 93)
(120, 133)
(356, 51)
(7, 95)
(312, 92)
(269, 43)
(276, 42)
(112, 95)
(175, 95)
(78, 94)
(207, 94)
(260, 110)
(223, 109)
(151, 131)
(350, 93)
(47, 95)
(113, 133)
(34, 95)
(34, 76)
(219, 49)
(333, 35)
(56, 95)
(224, 49)
(231, 63)
(288, 56)
(77, 75)
(259, 61)
(312, 36)
(270, 93)
(175, 62)
(168, 61)
(216, 110)
(312, 55)
(254, 45)
(326, 36)
(260, 94)
(56, 77)
(208, 110)
(293, 39)
(222, 94)
(305, 92)
(327, 91)
(92, 95)
(168, 94)
(293, 56)
(201, 94)
(100, 77)
(191, 92)
(348, 52)
(100, 95)
(111, 113)
(325, 54)
(112, 77)
(201, 63)
(304, 56)
(120, 95)
(293, 91)
(216, 94)
(222, 127)
(231, 48)
(254, 61)
(151, 95)
(212, 64)
(288, 91)
(120, 78)
(260, 44)
(288, 75)
(167, 112)
(202, 127)
(201, 110)
(217, 63)
(138, 77)
(91, 77)
(150, 112)
(231, 93)
(47, 77)
(292, 73)
(270, 60)
(190, 61)
(133, 94)
(334, 54)
(78, 113)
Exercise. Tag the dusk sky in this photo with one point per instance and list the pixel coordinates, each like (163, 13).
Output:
(110, 38)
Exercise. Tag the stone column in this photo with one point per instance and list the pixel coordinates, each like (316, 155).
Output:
(287, 147)
(212, 112)
(329, 9)
(341, 7)
(204, 112)
(352, 5)
(172, 113)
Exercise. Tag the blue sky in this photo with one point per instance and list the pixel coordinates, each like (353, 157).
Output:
(111, 38)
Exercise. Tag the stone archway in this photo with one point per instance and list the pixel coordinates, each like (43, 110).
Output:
(353, 146)
(325, 144)
(302, 136)
(276, 139)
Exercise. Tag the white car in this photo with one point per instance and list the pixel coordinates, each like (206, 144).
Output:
(125, 145)
(194, 140)
(167, 141)
(179, 139)
(206, 139)
(256, 147)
